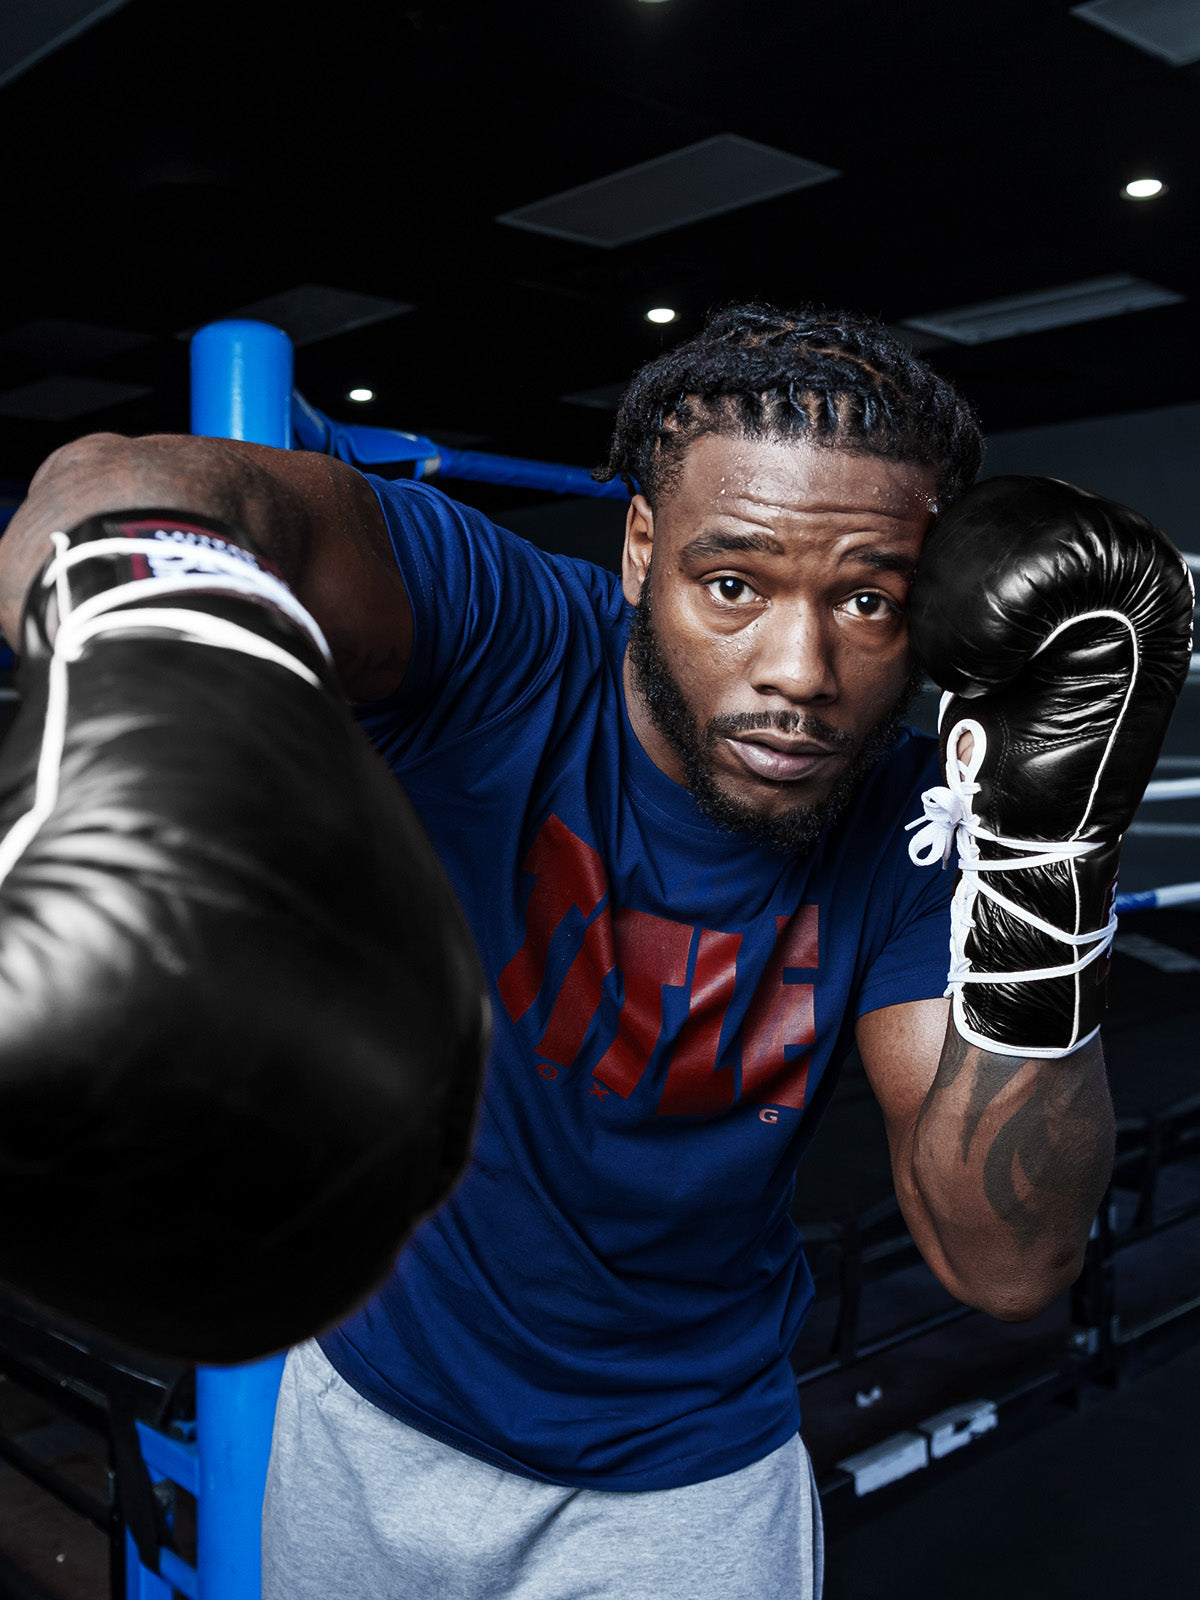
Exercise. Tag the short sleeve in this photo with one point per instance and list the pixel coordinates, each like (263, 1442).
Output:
(489, 618)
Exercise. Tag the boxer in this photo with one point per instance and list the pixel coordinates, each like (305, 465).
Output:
(674, 809)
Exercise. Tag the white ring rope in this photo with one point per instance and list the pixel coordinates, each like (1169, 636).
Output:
(1173, 789)
(187, 569)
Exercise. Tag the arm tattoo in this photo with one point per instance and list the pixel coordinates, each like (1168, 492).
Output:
(1048, 1163)
(991, 1075)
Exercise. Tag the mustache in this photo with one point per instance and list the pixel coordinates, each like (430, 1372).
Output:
(791, 723)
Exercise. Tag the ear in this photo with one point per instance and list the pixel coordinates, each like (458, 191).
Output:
(639, 543)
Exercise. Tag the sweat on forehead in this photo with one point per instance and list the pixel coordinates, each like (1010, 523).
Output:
(735, 487)
(744, 474)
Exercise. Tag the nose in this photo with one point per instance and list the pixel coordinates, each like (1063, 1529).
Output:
(794, 657)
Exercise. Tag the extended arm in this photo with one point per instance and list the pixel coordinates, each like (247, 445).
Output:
(229, 958)
(999, 1162)
(314, 517)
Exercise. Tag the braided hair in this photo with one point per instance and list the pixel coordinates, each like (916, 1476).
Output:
(832, 377)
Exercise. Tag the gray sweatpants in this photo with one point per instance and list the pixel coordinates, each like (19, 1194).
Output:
(362, 1507)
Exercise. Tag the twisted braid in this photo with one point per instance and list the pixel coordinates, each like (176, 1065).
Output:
(835, 378)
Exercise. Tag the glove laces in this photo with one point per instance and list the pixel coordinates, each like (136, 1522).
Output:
(177, 570)
(950, 819)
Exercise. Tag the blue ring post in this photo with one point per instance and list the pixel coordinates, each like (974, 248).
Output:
(241, 389)
(242, 383)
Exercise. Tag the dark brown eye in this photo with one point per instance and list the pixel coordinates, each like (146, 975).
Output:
(734, 591)
(870, 605)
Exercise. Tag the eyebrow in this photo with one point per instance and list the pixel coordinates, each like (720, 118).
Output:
(717, 543)
(884, 561)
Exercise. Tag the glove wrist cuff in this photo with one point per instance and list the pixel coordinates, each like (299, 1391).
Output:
(998, 1047)
(106, 582)
(121, 549)
(121, 565)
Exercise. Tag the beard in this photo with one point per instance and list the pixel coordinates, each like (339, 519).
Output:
(797, 828)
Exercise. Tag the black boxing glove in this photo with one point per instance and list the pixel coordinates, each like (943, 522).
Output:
(242, 1021)
(1059, 623)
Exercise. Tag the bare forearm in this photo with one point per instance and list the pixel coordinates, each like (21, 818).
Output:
(105, 472)
(314, 518)
(1005, 1167)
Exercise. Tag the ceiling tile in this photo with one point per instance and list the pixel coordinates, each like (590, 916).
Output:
(1169, 29)
(62, 399)
(701, 180)
(313, 311)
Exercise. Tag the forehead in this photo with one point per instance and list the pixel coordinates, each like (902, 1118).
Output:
(775, 482)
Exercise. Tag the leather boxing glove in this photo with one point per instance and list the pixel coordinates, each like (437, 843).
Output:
(242, 1022)
(1059, 623)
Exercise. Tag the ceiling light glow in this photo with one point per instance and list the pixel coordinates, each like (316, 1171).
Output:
(361, 394)
(661, 314)
(1143, 189)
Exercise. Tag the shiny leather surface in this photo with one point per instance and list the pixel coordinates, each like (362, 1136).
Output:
(1014, 560)
(242, 1022)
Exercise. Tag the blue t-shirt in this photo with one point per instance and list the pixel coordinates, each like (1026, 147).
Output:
(609, 1297)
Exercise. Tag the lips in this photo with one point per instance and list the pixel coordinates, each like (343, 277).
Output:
(780, 760)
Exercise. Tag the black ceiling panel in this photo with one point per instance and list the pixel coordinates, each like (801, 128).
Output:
(183, 159)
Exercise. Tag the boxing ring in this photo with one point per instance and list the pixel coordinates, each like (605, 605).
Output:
(187, 1448)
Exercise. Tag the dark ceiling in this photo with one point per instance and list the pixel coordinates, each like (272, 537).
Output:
(184, 158)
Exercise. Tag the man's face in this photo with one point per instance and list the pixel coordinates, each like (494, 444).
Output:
(768, 662)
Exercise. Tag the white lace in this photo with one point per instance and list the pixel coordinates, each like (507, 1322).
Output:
(949, 819)
(178, 569)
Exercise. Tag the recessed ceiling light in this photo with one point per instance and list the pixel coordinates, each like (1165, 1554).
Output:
(1143, 188)
(361, 394)
(661, 314)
